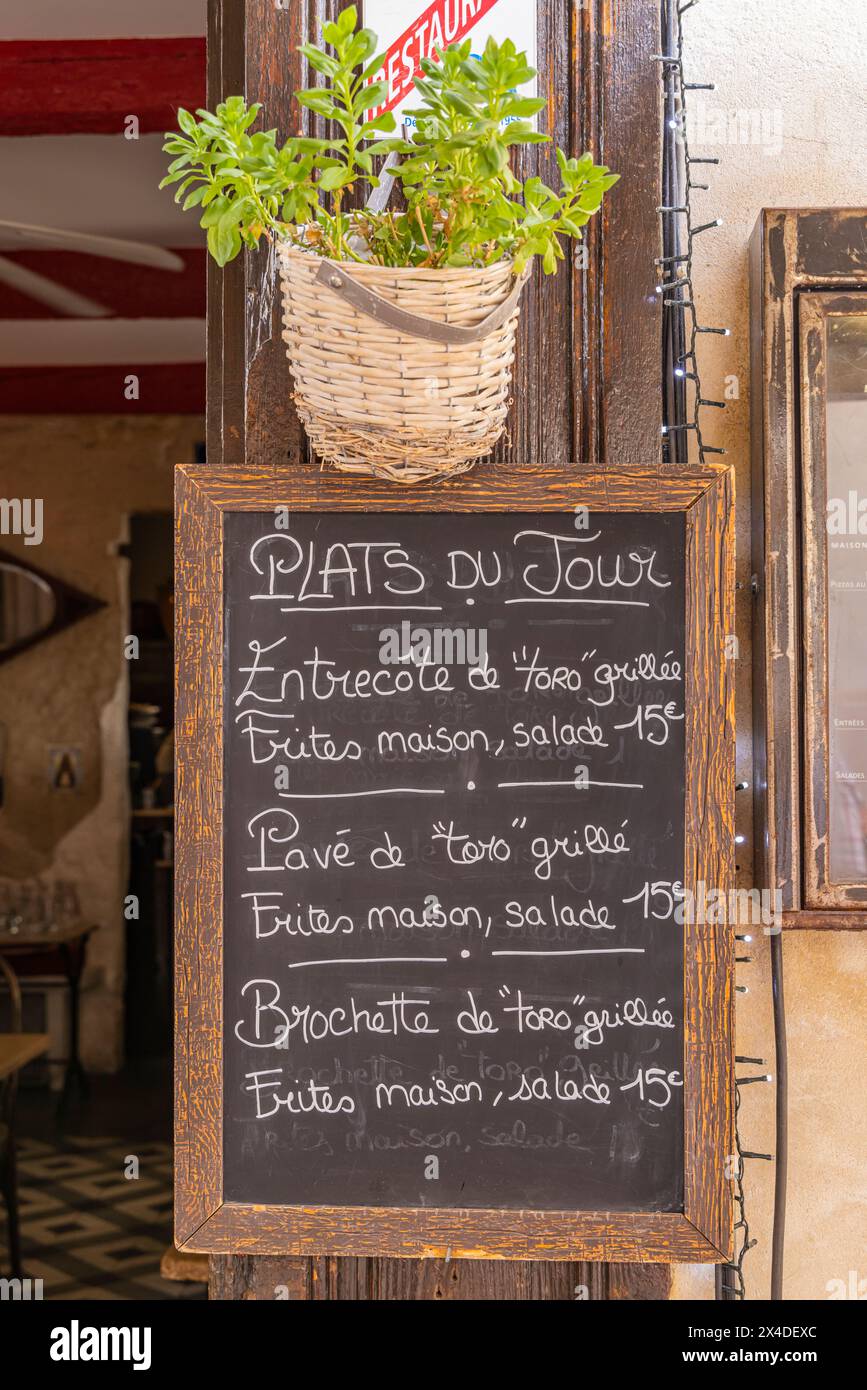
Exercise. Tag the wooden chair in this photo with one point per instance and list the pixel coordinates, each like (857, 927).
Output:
(8, 1092)
(16, 1050)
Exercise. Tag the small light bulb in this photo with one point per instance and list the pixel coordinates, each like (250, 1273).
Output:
(740, 839)
(678, 371)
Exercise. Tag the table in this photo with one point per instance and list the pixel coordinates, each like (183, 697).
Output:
(70, 944)
(16, 1050)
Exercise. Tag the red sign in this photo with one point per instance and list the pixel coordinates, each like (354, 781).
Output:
(444, 22)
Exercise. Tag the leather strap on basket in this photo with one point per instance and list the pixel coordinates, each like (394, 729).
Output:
(385, 312)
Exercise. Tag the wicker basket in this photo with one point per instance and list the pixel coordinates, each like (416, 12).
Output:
(403, 374)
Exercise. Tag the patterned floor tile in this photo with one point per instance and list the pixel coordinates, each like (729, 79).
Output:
(93, 1292)
(36, 1268)
(67, 1227)
(165, 1288)
(55, 1166)
(87, 1231)
(34, 1201)
(122, 1253)
(31, 1148)
(151, 1210)
(111, 1186)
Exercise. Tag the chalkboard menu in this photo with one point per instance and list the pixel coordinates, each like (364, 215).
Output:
(454, 780)
(454, 786)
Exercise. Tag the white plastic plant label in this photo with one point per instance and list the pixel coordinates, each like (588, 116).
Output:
(409, 31)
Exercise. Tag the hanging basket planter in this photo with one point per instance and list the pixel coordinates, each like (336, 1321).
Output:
(400, 322)
(402, 374)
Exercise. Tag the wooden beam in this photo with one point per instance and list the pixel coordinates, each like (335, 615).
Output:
(91, 86)
(165, 388)
(629, 135)
(128, 291)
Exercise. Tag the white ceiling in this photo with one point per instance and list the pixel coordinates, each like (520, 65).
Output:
(97, 183)
(106, 185)
(94, 183)
(101, 19)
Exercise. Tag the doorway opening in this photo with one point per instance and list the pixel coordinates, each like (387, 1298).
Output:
(148, 907)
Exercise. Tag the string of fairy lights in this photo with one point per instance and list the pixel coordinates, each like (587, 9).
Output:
(685, 412)
(680, 235)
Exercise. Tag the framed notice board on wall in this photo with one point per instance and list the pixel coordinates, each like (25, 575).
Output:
(455, 771)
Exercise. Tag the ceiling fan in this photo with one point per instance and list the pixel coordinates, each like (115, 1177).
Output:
(20, 236)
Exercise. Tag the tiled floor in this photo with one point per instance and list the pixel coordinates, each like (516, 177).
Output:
(96, 1218)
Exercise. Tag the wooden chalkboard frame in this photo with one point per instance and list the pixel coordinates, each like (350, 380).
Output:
(204, 1222)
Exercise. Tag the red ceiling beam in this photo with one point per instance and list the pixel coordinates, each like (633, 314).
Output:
(129, 291)
(165, 388)
(91, 86)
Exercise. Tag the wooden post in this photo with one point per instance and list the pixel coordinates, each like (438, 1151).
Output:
(587, 389)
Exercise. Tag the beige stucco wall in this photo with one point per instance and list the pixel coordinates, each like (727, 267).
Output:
(795, 73)
(91, 472)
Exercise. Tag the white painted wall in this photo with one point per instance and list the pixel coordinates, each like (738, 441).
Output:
(94, 183)
(795, 70)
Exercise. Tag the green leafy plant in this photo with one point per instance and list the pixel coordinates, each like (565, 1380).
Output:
(464, 205)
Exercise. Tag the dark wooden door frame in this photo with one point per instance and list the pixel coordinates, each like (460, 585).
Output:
(615, 341)
(795, 253)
